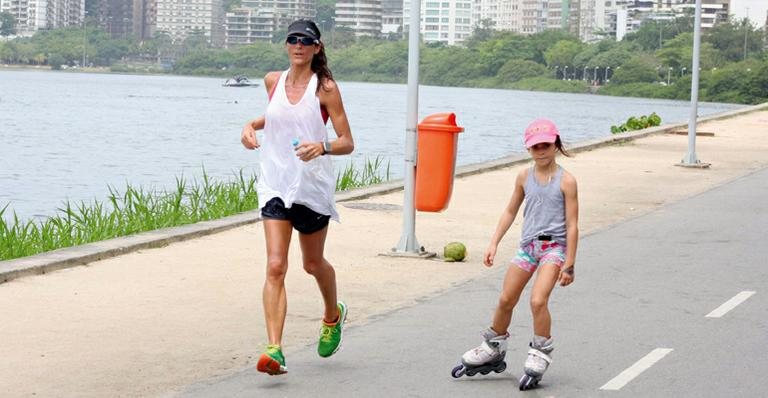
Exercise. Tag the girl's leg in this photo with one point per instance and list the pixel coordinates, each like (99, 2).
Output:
(278, 236)
(514, 282)
(542, 288)
(312, 247)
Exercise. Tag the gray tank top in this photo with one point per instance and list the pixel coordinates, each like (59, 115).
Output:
(544, 212)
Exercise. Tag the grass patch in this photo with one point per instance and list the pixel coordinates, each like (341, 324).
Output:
(136, 209)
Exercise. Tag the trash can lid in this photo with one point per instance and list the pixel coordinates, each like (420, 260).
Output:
(443, 122)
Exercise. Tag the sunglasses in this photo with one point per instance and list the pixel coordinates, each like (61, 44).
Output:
(305, 41)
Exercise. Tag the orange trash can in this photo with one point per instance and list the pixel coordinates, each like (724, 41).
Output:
(436, 161)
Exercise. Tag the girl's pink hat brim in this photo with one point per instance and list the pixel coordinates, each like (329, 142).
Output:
(540, 131)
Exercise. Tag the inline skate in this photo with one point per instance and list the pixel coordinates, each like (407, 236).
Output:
(486, 358)
(537, 362)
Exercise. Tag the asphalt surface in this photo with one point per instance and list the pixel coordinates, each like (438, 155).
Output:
(644, 286)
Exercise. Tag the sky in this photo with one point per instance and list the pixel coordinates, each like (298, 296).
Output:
(757, 9)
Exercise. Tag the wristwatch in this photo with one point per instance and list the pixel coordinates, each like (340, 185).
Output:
(326, 147)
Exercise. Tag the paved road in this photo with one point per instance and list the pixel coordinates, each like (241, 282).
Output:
(642, 285)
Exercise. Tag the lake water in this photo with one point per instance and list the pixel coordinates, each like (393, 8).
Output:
(70, 135)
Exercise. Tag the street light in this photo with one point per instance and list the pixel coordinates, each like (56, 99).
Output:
(85, 36)
(682, 71)
(584, 74)
(605, 76)
(565, 72)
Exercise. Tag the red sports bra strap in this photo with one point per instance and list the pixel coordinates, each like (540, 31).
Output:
(272, 91)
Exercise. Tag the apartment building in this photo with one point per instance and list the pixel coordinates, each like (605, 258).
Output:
(258, 20)
(626, 16)
(180, 18)
(34, 15)
(391, 16)
(503, 14)
(144, 20)
(363, 17)
(449, 22)
(249, 25)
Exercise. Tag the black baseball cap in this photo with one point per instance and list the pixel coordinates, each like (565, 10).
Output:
(304, 27)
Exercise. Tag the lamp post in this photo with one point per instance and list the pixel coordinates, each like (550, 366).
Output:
(85, 36)
(584, 74)
(605, 76)
(408, 245)
(565, 72)
(746, 30)
(690, 159)
(682, 71)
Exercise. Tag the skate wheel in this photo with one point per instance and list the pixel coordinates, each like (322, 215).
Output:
(527, 382)
(485, 372)
(458, 371)
(502, 366)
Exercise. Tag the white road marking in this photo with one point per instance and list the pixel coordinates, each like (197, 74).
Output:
(730, 304)
(633, 371)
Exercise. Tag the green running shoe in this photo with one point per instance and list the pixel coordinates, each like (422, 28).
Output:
(272, 361)
(330, 335)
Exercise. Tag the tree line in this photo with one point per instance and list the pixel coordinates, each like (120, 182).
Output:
(653, 62)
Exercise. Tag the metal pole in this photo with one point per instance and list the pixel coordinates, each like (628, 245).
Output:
(746, 29)
(690, 157)
(408, 242)
(85, 39)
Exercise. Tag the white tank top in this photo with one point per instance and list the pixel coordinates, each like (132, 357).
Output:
(282, 174)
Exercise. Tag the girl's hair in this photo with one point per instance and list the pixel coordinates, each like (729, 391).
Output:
(560, 147)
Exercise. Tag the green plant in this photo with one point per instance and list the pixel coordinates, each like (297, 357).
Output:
(637, 123)
(137, 209)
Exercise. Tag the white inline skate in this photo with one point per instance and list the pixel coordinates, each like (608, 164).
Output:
(486, 358)
(537, 362)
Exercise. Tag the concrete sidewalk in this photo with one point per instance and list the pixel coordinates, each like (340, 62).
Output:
(159, 319)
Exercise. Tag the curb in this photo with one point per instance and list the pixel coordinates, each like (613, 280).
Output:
(81, 255)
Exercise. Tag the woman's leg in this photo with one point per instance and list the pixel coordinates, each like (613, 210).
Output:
(542, 288)
(312, 247)
(514, 282)
(278, 237)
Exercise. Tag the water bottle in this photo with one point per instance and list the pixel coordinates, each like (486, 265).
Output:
(313, 167)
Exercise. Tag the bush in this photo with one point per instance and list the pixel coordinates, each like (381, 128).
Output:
(55, 61)
(635, 123)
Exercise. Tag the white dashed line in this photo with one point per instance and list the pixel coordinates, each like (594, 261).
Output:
(633, 371)
(730, 304)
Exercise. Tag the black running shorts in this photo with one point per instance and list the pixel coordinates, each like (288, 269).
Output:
(303, 219)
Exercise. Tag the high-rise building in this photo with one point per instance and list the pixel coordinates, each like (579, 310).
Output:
(363, 17)
(258, 20)
(181, 18)
(446, 21)
(34, 15)
(391, 16)
(144, 19)
(249, 25)
(116, 17)
(502, 14)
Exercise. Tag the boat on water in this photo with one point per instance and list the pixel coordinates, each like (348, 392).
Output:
(239, 81)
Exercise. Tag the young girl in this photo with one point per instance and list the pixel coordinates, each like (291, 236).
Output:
(548, 243)
(297, 185)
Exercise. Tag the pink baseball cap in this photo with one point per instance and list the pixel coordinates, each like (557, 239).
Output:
(540, 130)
